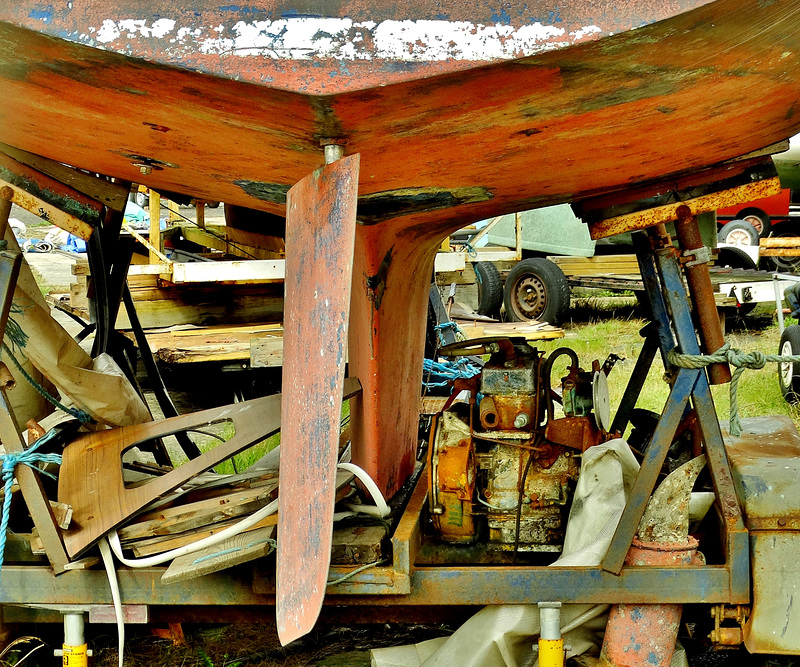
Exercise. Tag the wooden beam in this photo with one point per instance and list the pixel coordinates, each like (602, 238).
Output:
(48, 212)
(156, 248)
(113, 195)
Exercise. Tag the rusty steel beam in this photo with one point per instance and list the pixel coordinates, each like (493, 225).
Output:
(320, 233)
(701, 292)
(703, 204)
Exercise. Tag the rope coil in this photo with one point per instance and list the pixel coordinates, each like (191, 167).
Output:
(740, 361)
(30, 457)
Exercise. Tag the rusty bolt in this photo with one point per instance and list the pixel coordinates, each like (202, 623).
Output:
(6, 193)
(145, 170)
(781, 522)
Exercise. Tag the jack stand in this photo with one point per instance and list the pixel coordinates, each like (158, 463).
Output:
(551, 643)
(74, 652)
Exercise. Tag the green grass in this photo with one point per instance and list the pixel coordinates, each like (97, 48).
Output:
(248, 457)
(759, 392)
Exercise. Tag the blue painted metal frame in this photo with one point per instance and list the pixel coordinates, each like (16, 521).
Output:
(663, 281)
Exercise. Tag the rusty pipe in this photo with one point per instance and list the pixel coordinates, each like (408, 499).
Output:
(6, 197)
(701, 292)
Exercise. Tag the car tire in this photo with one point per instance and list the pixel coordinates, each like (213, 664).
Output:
(141, 199)
(789, 371)
(755, 216)
(490, 288)
(536, 289)
(738, 232)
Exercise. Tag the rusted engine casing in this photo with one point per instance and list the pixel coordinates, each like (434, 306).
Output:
(484, 475)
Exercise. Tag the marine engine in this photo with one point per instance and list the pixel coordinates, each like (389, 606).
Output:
(503, 462)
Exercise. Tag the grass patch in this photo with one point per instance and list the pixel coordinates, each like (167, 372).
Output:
(248, 457)
(759, 392)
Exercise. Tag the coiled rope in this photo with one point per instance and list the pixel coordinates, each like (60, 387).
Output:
(440, 329)
(740, 361)
(30, 457)
(440, 373)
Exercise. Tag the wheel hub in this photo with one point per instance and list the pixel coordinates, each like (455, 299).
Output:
(786, 366)
(531, 297)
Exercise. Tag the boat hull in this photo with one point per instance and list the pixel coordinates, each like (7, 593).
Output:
(437, 152)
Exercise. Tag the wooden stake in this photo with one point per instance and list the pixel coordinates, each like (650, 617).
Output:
(155, 227)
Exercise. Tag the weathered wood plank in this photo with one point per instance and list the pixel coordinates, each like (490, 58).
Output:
(201, 513)
(235, 550)
(114, 195)
(357, 545)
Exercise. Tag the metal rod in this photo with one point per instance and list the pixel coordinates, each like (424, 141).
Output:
(701, 293)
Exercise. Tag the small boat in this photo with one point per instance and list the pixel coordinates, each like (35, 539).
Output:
(376, 130)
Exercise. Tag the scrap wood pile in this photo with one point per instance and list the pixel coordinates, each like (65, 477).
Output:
(209, 504)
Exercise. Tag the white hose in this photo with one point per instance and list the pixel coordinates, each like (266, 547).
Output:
(380, 509)
(209, 541)
(111, 573)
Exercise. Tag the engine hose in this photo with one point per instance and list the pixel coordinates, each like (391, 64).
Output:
(546, 371)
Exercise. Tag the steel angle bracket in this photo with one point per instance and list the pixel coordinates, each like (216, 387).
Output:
(320, 238)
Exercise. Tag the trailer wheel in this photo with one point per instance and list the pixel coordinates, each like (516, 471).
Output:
(738, 232)
(789, 371)
(490, 288)
(536, 289)
(756, 217)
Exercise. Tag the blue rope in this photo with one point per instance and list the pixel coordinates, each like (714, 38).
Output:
(80, 415)
(470, 250)
(30, 457)
(440, 328)
(447, 371)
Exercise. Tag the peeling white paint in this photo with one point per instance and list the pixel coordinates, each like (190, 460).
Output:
(307, 38)
(133, 28)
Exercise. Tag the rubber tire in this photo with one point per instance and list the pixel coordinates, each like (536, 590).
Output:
(789, 372)
(490, 288)
(141, 199)
(786, 264)
(551, 303)
(736, 258)
(744, 228)
(755, 216)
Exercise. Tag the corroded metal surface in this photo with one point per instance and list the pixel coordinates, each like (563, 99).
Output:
(321, 221)
(765, 460)
(644, 635)
(701, 292)
(774, 624)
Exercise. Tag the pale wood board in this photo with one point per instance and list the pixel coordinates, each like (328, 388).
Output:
(194, 515)
(529, 331)
(157, 545)
(235, 550)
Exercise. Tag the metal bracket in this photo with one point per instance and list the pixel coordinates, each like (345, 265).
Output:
(701, 256)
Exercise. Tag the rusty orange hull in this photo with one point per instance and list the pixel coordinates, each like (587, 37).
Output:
(574, 104)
